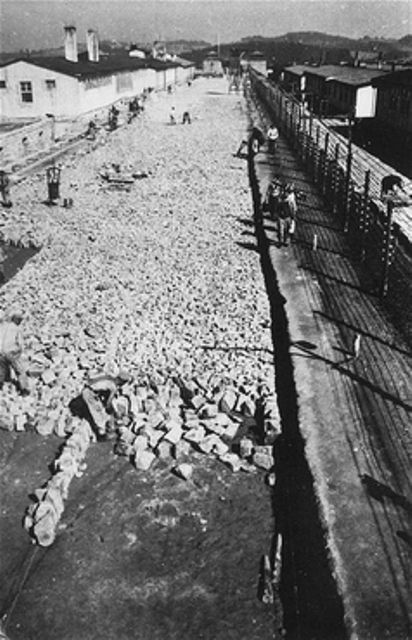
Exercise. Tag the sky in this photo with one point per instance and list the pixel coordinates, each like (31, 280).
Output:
(36, 24)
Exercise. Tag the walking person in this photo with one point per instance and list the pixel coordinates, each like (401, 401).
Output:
(272, 199)
(5, 189)
(272, 137)
(11, 351)
(287, 214)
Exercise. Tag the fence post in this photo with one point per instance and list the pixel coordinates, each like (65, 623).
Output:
(325, 166)
(348, 187)
(388, 249)
(364, 222)
(336, 179)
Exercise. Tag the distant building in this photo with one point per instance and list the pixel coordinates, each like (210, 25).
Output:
(394, 103)
(255, 60)
(135, 52)
(212, 65)
(293, 78)
(73, 84)
(159, 50)
(342, 90)
(366, 58)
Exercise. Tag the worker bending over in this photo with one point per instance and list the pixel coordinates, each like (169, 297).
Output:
(11, 351)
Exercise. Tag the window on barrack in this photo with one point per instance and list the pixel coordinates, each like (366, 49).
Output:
(26, 92)
(50, 84)
(2, 84)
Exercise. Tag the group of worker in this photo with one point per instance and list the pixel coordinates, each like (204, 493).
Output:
(281, 204)
(281, 198)
(186, 119)
(256, 140)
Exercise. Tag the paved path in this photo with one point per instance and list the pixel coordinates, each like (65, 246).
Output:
(354, 414)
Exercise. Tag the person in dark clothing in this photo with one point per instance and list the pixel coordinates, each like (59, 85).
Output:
(186, 118)
(272, 199)
(392, 190)
(256, 140)
(287, 214)
(98, 394)
(5, 189)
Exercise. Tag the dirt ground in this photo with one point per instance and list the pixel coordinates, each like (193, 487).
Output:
(138, 554)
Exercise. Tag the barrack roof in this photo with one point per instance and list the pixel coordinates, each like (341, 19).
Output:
(356, 76)
(403, 78)
(85, 69)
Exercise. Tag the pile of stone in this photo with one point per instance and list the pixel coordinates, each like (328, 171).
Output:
(42, 517)
(167, 422)
(164, 422)
(153, 282)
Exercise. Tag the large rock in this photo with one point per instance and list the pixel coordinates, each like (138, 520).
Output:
(143, 460)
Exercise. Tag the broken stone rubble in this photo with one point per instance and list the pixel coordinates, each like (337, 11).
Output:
(142, 444)
(42, 517)
(54, 299)
(174, 303)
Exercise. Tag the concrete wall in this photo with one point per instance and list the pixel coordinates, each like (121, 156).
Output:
(63, 99)
(103, 91)
(160, 79)
(184, 74)
(25, 141)
(170, 76)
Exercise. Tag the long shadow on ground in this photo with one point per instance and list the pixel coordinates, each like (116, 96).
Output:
(311, 603)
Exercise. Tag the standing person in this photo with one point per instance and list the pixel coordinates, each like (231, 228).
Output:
(272, 137)
(5, 189)
(256, 139)
(272, 199)
(186, 118)
(241, 152)
(287, 214)
(172, 116)
(11, 350)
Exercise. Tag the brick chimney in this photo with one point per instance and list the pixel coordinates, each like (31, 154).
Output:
(92, 46)
(70, 44)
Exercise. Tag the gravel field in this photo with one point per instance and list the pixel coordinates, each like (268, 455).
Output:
(152, 280)
(160, 280)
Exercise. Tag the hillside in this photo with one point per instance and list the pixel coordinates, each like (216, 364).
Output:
(311, 47)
